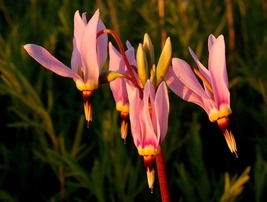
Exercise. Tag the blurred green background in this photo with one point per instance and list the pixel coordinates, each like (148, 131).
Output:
(48, 154)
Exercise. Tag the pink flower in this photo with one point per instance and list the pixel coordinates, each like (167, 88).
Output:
(213, 96)
(88, 56)
(149, 122)
(118, 86)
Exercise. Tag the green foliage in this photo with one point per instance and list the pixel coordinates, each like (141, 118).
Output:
(234, 187)
(193, 177)
(44, 142)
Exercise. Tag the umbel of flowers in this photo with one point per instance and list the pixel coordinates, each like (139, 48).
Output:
(138, 85)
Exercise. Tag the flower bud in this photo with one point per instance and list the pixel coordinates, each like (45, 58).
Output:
(164, 61)
(108, 76)
(142, 66)
(153, 77)
(149, 50)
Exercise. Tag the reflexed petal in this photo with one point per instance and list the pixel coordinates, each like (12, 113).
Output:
(115, 63)
(217, 67)
(130, 54)
(42, 56)
(180, 89)
(183, 72)
(84, 18)
(89, 56)
(134, 101)
(148, 134)
(203, 70)
(79, 27)
(150, 91)
(162, 110)
(102, 42)
(211, 41)
(118, 86)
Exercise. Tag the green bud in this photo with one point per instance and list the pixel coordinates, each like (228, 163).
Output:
(149, 50)
(153, 77)
(108, 76)
(164, 61)
(142, 66)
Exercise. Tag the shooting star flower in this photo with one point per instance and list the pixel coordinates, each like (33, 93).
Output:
(149, 122)
(213, 96)
(88, 57)
(118, 86)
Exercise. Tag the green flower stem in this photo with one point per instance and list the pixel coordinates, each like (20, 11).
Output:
(164, 190)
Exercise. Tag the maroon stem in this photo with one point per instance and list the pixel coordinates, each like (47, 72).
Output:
(126, 61)
(164, 190)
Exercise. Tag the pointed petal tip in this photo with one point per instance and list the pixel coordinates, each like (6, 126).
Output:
(97, 12)
(28, 46)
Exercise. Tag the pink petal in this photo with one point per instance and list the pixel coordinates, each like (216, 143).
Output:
(211, 41)
(43, 57)
(102, 42)
(118, 86)
(219, 77)
(149, 90)
(84, 19)
(130, 54)
(184, 73)
(89, 56)
(147, 130)
(203, 70)
(133, 96)
(162, 107)
(115, 63)
(182, 90)
(79, 27)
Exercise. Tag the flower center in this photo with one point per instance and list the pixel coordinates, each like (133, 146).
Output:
(215, 114)
(148, 150)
